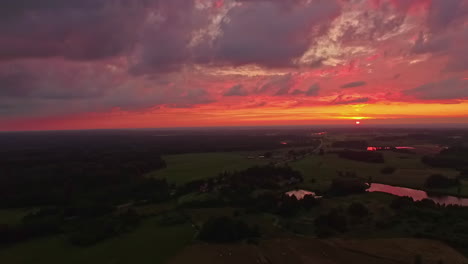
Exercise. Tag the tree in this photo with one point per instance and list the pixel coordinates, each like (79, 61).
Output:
(401, 202)
(347, 185)
(335, 220)
(357, 209)
(309, 201)
(440, 181)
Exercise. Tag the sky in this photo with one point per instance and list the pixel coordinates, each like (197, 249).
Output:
(96, 64)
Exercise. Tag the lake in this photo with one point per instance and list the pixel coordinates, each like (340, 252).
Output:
(418, 195)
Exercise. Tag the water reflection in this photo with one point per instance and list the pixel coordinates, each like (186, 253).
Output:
(388, 148)
(417, 195)
(300, 194)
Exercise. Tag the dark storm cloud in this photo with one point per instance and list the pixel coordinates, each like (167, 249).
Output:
(164, 43)
(265, 33)
(446, 13)
(236, 90)
(80, 30)
(18, 81)
(156, 34)
(65, 88)
(431, 45)
(353, 84)
(441, 90)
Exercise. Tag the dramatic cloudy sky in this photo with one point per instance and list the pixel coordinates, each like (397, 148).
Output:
(74, 64)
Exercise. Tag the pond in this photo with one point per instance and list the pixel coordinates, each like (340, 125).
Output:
(418, 195)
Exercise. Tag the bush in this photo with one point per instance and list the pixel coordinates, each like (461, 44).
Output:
(309, 201)
(358, 210)
(326, 224)
(94, 231)
(401, 202)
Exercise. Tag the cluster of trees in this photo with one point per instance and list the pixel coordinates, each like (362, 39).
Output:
(351, 144)
(260, 177)
(289, 206)
(78, 190)
(421, 219)
(347, 185)
(429, 220)
(339, 220)
(164, 142)
(49, 178)
(292, 154)
(390, 138)
(441, 181)
(244, 182)
(90, 231)
(453, 157)
(364, 156)
(83, 226)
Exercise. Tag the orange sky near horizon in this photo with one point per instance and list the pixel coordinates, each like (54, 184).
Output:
(375, 114)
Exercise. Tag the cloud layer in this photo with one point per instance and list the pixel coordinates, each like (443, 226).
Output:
(156, 62)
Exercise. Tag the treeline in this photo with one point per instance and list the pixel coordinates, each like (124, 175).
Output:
(83, 226)
(429, 220)
(351, 144)
(163, 142)
(51, 178)
(77, 191)
(453, 157)
(441, 181)
(403, 216)
(364, 156)
(245, 181)
(226, 229)
(347, 184)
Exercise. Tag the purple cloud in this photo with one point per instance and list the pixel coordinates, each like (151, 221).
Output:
(441, 90)
(236, 90)
(353, 84)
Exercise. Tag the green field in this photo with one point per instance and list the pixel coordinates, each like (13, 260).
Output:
(319, 171)
(149, 243)
(188, 167)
